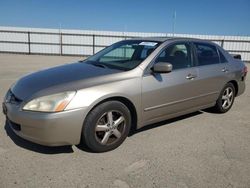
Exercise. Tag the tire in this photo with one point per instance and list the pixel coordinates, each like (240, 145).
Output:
(106, 126)
(221, 106)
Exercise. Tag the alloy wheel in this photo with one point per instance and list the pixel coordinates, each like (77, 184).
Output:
(110, 127)
(227, 98)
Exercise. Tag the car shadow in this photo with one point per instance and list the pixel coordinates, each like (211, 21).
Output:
(82, 146)
(164, 123)
(33, 146)
(68, 149)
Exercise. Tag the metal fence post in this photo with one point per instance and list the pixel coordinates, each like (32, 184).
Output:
(29, 41)
(222, 43)
(61, 45)
(93, 44)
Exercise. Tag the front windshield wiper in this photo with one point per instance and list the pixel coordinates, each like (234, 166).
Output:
(97, 64)
(106, 65)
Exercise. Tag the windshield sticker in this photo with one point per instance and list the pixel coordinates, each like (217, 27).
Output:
(148, 43)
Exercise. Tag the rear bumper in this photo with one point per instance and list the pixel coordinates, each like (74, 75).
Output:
(241, 87)
(50, 129)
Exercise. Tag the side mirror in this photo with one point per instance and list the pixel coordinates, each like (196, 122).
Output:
(162, 67)
(237, 56)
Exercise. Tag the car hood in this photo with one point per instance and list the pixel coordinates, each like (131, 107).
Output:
(62, 78)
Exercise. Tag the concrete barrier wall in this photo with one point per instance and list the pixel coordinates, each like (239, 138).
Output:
(87, 42)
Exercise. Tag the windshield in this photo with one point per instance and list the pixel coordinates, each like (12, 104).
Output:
(124, 55)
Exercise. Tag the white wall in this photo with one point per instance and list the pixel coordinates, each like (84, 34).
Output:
(16, 39)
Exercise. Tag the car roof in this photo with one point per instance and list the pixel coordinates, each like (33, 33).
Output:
(171, 39)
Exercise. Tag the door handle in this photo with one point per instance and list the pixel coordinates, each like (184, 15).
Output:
(190, 76)
(224, 70)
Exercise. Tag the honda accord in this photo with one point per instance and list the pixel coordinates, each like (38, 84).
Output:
(128, 85)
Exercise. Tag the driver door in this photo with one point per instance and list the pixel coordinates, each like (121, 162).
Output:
(164, 94)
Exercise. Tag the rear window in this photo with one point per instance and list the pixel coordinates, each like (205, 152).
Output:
(207, 54)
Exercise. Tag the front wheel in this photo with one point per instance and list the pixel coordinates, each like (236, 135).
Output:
(106, 126)
(226, 99)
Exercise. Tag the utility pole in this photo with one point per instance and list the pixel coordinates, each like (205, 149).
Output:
(174, 20)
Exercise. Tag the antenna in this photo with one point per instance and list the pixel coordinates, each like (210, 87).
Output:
(124, 31)
(174, 20)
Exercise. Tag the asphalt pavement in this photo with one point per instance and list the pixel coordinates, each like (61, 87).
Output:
(198, 150)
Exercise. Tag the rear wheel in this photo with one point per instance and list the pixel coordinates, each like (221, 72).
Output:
(106, 126)
(226, 99)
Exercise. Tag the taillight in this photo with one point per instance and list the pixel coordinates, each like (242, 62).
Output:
(245, 70)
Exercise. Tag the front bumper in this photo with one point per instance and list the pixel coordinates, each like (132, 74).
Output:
(50, 129)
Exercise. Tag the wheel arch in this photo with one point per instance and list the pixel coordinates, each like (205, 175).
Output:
(236, 87)
(127, 102)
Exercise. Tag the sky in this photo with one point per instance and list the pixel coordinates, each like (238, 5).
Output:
(218, 17)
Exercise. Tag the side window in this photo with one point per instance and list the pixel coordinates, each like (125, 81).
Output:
(179, 55)
(222, 58)
(146, 52)
(206, 54)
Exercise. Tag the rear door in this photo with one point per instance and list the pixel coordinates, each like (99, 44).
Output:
(211, 72)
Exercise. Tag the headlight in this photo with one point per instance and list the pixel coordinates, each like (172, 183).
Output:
(50, 103)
